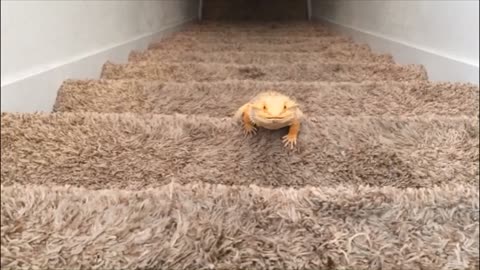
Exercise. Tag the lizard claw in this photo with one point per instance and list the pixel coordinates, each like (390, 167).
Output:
(289, 140)
(249, 130)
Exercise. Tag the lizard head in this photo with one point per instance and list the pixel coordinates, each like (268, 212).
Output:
(274, 106)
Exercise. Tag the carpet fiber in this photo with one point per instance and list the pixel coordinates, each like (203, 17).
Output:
(145, 168)
(203, 226)
(330, 55)
(193, 71)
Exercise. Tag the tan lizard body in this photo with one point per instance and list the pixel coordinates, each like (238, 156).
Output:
(272, 110)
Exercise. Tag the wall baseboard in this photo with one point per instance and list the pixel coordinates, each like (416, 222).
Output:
(37, 92)
(439, 67)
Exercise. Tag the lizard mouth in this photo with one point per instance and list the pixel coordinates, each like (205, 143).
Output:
(274, 117)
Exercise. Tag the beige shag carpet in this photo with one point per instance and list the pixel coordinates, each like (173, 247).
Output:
(330, 55)
(309, 72)
(145, 168)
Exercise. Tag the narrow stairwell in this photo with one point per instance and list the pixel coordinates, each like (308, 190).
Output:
(145, 168)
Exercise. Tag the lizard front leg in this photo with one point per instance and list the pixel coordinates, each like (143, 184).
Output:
(291, 138)
(248, 127)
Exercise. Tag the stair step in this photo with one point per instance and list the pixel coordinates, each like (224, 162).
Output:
(131, 151)
(317, 46)
(174, 226)
(261, 30)
(267, 25)
(299, 29)
(193, 71)
(258, 28)
(267, 33)
(331, 55)
(258, 39)
(223, 98)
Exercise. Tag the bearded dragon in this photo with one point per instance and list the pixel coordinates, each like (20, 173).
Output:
(271, 110)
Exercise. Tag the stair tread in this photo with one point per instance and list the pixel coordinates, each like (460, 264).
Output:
(89, 149)
(194, 71)
(230, 226)
(223, 98)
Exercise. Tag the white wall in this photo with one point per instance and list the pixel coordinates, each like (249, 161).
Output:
(46, 42)
(434, 33)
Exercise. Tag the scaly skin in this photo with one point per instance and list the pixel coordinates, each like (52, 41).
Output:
(272, 110)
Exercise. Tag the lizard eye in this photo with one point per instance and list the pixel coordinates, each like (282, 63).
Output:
(284, 107)
(264, 107)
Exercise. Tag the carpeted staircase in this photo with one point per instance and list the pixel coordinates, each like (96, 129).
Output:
(146, 169)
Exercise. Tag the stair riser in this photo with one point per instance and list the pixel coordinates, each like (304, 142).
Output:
(259, 58)
(252, 28)
(287, 227)
(222, 99)
(265, 34)
(132, 152)
(260, 30)
(271, 24)
(179, 38)
(260, 47)
(188, 72)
